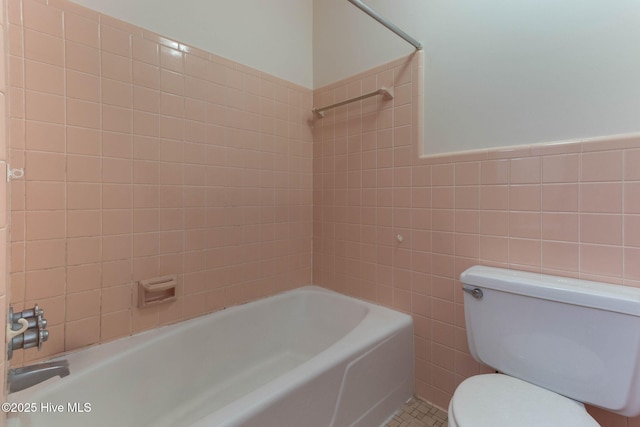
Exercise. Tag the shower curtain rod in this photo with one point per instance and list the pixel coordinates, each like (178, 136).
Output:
(386, 95)
(372, 13)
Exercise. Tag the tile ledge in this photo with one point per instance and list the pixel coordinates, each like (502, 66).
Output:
(600, 143)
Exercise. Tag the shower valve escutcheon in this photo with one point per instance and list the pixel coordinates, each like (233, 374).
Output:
(26, 329)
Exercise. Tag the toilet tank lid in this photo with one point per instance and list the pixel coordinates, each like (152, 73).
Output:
(604, 296)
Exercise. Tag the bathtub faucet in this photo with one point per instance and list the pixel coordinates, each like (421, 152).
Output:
(27, 376)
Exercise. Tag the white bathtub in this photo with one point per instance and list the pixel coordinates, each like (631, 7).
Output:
(307, 357)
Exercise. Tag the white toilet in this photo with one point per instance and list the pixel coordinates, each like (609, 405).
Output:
(558, 341)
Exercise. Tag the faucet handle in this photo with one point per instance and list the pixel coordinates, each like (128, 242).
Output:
(41, 323)
(43, 336)
(31, 312)
(37, 311)
(32, 333)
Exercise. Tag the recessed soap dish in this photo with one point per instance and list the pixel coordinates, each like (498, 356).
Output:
(157, 290)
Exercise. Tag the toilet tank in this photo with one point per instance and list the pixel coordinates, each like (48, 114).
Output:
(575, 337)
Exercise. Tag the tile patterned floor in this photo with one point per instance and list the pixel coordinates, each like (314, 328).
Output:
(418, 413)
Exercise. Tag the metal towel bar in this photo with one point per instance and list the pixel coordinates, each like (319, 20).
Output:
(386, 94)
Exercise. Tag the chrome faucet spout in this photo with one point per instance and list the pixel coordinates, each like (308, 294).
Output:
(28, 376)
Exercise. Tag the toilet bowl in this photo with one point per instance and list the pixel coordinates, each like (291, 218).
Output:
(560, 343)
(497, 400)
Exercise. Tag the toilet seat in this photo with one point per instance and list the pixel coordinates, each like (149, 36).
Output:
(497, 400)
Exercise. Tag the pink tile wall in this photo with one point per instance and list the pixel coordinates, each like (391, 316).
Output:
(4, 196)
(147, 157)
(568, 209)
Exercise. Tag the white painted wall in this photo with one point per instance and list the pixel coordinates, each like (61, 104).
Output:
(499, 72)
(273, 36)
